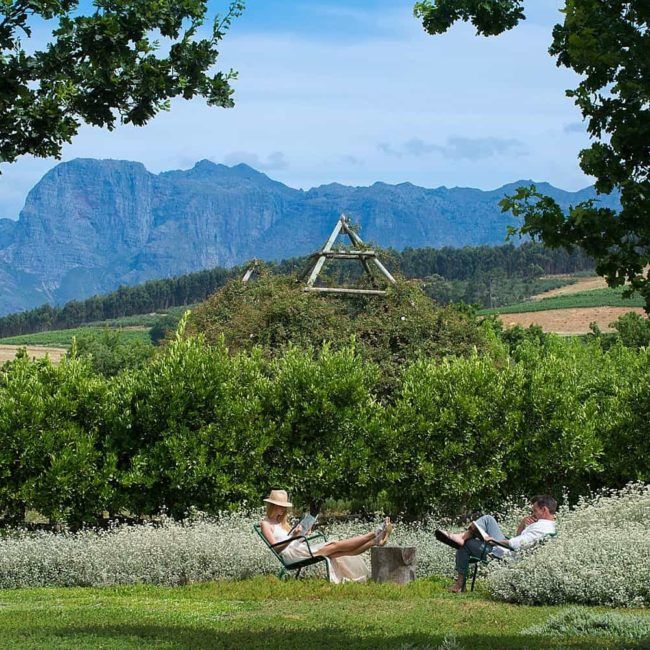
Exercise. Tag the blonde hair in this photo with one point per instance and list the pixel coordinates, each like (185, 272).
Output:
(283, 518)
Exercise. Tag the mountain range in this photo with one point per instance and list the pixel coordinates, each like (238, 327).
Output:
(90, 225)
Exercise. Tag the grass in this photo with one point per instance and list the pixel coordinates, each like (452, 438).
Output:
(63, 338)
(608, 297)
(266, 613)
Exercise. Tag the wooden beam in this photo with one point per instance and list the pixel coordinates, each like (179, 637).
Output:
(369, 292)
(328, 247)
(348, 255)
(383, 269)
(250, 270)
(364, 256)
(359, 242)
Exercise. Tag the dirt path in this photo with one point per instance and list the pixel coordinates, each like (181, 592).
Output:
(8, 352)
(569, 321)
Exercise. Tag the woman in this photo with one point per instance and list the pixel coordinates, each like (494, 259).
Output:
(342, 556)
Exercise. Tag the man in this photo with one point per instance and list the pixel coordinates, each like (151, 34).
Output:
(485, 530)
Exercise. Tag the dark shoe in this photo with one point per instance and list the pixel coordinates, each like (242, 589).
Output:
(444, 537)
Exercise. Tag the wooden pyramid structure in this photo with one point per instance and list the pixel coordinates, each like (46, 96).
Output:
(366, 257)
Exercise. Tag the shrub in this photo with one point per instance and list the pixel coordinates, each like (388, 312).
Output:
(274, 312)
(323, 421)
(452, 427)
(563, 410)
(599, 557)
(195, 419)
(626, 443)
(52, 455)
(110, 352)
(633, 330)
(198, 426)
(577, 621)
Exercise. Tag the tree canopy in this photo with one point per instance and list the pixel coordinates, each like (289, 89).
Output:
(121, 62)
(608, 45)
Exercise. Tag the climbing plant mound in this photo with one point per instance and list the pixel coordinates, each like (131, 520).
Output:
(274, 312)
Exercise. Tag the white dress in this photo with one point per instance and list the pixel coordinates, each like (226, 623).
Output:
(349, 568)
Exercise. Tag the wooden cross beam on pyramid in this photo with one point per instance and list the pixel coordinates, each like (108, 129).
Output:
(366, 257)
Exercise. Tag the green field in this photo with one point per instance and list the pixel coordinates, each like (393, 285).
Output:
(63, 338)
(142, 320)
(266, 613)
(139, 320)
(607, 297)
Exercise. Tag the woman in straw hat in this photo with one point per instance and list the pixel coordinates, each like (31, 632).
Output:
(342, 556)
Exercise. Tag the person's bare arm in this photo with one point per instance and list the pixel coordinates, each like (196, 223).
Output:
(497, 542)
(524, 523)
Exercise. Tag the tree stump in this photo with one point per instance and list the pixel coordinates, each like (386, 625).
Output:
(393, 564)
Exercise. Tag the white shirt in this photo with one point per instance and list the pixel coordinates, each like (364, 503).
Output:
(279, 533)
(532, 534)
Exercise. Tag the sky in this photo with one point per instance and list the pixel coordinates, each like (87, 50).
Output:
(356, 92)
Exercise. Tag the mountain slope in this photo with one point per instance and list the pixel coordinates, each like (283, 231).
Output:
(90, 225)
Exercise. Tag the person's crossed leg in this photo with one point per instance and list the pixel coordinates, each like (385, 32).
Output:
(532, 529)
(469, 545)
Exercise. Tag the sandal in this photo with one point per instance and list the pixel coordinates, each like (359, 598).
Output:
(387, 531)
(444, 537)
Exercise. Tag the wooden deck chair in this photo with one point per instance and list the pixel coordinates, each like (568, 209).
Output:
(300, 564)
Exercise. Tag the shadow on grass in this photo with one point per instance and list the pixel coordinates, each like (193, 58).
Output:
(326, 638)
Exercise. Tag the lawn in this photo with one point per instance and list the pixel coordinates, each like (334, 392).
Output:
(266, 613)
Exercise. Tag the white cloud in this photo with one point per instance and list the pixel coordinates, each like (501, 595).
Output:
(574, 127)
(457, 148)
(274, 161)
(323, 104)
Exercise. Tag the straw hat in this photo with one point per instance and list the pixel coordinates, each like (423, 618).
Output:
(279, 498)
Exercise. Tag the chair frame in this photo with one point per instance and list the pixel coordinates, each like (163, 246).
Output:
(300, 564)
(485, 558)
(475, 560)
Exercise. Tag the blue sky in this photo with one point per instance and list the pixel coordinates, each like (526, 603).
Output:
(355, 92)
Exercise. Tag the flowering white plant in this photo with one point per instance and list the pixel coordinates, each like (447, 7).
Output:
(172, 552)
(600, 556)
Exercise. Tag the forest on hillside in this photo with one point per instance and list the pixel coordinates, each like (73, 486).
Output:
(489, 276)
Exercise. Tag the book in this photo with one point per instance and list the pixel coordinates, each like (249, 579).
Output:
(480, 532)
(306, 523)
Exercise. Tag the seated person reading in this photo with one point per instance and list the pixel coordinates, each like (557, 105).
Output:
(342, 556)
(485, 530)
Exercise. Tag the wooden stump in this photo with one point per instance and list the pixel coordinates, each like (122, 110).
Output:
(393, 564)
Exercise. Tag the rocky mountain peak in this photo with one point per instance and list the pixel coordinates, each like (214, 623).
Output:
(90, 225)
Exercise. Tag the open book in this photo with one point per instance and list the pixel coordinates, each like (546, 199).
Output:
(306, 523)
(480, 532)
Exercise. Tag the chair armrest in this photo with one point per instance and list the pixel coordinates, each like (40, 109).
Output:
(286, 542)
(318, 535)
